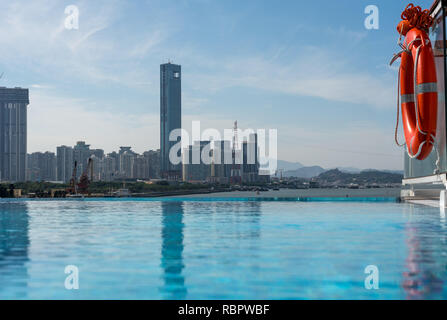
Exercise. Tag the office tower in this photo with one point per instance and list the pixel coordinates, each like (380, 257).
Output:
(13, 133)
(170, 117)
(65, 162)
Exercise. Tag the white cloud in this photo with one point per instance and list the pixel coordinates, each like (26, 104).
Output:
(314, 73)
(41, 86)
(150, 42)
(39, 44)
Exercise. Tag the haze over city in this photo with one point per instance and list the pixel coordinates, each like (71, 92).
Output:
(100, 83)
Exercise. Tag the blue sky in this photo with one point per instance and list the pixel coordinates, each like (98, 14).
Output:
(309, 69)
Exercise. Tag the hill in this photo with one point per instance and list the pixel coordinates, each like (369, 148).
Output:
(304, 172)
(336, 176)
(288, 166)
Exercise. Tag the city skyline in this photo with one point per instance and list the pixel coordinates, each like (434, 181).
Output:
(107, 90)
(118, 165)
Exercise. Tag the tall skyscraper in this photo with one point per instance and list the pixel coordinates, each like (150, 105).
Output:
(170, 117)
(13, 133)
(65, 163)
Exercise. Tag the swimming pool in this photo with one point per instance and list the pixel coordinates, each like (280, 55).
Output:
(216, 249)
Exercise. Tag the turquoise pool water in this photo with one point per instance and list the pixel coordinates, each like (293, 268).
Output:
(215, 249)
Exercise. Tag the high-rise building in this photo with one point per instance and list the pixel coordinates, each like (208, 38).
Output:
(250, 163)
(140, 167)
(116, 162)
(13, 133)
(41, 166)
(98, 153)
(170, 117)
(222, 162)
(109, 171)
(195, 168)
(127, 160)
(81, 154)
(153, 158)
(65, 162)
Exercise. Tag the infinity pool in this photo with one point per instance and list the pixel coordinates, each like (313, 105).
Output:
(152, 249)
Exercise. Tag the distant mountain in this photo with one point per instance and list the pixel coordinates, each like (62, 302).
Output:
(366, 176)
(348, 169)
(290, 169)
(389, 171)
(287, 166)
(304, 172)
(357, 170)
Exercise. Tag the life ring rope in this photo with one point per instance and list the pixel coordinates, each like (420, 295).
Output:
(397, 118)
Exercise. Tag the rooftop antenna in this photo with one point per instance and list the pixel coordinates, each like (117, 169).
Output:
(1, 75)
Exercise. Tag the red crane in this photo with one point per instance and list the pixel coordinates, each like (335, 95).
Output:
(84, 180)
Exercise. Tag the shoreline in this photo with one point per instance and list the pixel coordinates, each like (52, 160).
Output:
(303, 193)
(284, 194)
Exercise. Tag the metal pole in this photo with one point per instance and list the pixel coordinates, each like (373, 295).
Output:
(443, 4)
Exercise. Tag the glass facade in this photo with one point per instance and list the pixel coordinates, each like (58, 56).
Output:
(437, 160)
(13, 133)
(170, 116)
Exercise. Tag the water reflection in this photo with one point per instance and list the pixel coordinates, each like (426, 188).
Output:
(172, 250)
(426, 262)
(254, 217)
(14, 243)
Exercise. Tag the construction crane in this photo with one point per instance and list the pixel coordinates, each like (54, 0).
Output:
(236, 167)
(73, 189)
(81, 187)
(84, 180)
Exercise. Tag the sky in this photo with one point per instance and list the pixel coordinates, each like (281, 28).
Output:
(309, 69)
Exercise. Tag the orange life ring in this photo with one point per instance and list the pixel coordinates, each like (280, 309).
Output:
(418, 93)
